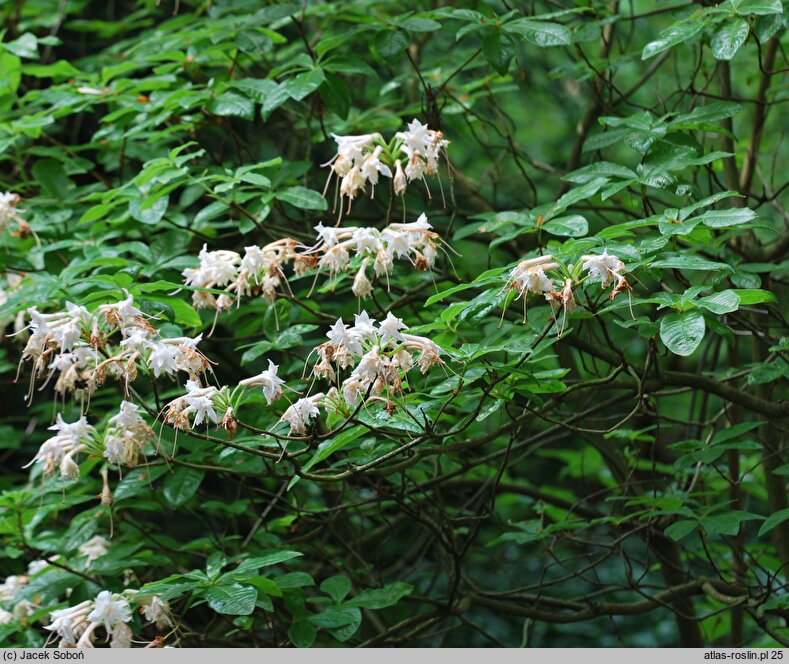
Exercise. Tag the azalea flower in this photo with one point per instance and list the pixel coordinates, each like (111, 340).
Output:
(529, 275)
(602, 268)
(268, 381)
(198, 401)
(109, 610)
(94, 548)
(11, 587)
(361, 284)
(301, 413)
(389, 329)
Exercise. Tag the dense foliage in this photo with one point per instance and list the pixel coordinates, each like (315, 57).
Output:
(386, 323)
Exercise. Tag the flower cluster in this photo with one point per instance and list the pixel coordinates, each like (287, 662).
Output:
(59, 451)
(126, 436)
(336, 250)
(380, 355)
(77, 345)
(76, 625)
(529, 276)
(411, 155)
(20, 608)
(124, 439)
(197, 403)
(258, 271)
(604, 268)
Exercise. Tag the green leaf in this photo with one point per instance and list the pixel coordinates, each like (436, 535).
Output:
(774, 520)
(380, 598)
(728, 39)
(232, 105)
(336, 94)
(304, 84)
(540, 33)
(754, 295)
(757, 7)
(302, 634)
(390, 43)
(253, 42)
(254, 564)
(258, 349)
(498, 49)
(417, 24)
(674, 35)
(336, 587)
(727, 523)
(680, 529)
(690, 262)
(182, 485)
(232, 600)
(726, 218)
(303, 198)
(52, 177)
(148, 211)
(682, 331)
(571, 226)
(720, 303)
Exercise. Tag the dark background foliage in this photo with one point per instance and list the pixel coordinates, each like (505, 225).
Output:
(624, 484)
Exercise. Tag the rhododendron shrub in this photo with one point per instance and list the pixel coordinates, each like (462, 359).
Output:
(393, 324)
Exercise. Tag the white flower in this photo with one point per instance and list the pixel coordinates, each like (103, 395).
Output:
(335, 259)
(369, 366)
(531, 280)
(128, 416)
(268, 380)
(361, 284)
(217, 268)
(416, 141)
(6, 617)
(136, 339)
(400, 182)
(342, 335)
(94, 548)
(366, 240)
(64, 621)
(383, 262)
(397, 244)
(351, 183)
(121, 636)
(163, 359)
(68, 467)
(372, 166)
(430, 351)
(37, 566)
(602, 268)
(109, 610)
(158, 611)
(415, 169)
(11, 587)
(75, 431)
(327, 235)
(389, 328)
(198, 400)
(301, 413)
(121, 313)
(353, 391)
(23, 609)
(351, 148)
(529, 275)
(364, 326)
